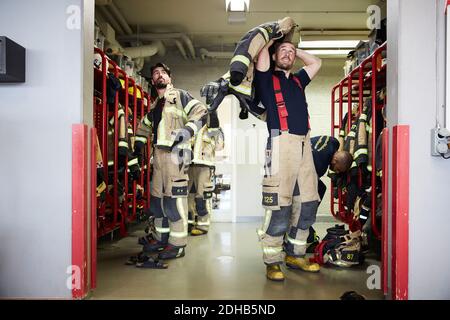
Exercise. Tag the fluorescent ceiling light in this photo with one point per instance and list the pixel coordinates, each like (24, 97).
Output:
(351, 44)
(328, 52)
(237, 5)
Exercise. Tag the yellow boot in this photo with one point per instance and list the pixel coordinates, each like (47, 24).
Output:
(198, 232)
(301, 263)
(274, 273)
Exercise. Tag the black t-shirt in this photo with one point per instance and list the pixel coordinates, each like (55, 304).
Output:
(293, 96)
(323, 149)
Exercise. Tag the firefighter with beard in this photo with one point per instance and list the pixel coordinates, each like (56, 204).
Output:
(289, 161)
(174, 118)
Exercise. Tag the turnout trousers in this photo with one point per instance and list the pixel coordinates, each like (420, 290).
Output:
(169, 191)
(201, 188)
(289, 197)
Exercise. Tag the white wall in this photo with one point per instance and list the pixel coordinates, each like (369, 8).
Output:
(412, 101)
(247, 168)
(35, 123)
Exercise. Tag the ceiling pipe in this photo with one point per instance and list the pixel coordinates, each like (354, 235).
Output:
(103, 2)
(204, 53)
(110, 19)
(161, 48)
(139, 64)
(189, 45)
(150, 36)
(162, 36)
(141, 51)
(181, 48)
(120, 19)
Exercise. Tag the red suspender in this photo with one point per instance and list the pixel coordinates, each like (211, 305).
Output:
(282, 111)
(281, 106)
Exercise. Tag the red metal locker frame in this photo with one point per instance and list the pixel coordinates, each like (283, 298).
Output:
(149, 153)
(101, 120)
(106, 224)
(375, 109)
(79, 211)
(364, 81)
(101, 116)
(140, 114)
(400, 212)
(135, 116)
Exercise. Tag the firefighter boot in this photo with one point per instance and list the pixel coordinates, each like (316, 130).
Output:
(274, 273)
(312, 241)
(198, 232)
(153, 245)
(171, 252)
(302, 264)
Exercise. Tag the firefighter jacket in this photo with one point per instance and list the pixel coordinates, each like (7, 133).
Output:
(123, 135)
(248, 48)
(206, 143)
(125, 132)
(101, 185)
(361, 153)
(180, 113)
(238, 80)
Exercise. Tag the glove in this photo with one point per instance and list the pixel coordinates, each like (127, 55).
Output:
(213, 120)
(214, 92)
(243, 114)
(236, 78)
(139, 153)
(181, 135)
(135, 172)
(210, 90)
(122, 156)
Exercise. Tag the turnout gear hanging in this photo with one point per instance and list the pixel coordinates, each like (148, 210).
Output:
(238, 80)
(201, 173)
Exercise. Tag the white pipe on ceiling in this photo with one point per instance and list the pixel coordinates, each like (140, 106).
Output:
(103, 2)
(141, 51)
(120, 18)
(110, 19)
(204, 53)
(180, 48)
(162, 36)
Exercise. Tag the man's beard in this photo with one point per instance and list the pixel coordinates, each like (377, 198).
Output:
(161, 85)
(284, 66)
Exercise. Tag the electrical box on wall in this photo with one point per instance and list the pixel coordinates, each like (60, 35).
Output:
(12, 61)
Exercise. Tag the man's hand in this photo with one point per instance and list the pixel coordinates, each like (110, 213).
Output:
(214, 92)
(312, 63)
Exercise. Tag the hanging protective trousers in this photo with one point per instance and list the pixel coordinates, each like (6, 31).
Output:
(200, 198)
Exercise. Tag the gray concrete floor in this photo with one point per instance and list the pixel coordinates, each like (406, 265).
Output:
(225, 264)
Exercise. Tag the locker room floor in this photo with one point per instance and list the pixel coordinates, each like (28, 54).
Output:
(225, 264)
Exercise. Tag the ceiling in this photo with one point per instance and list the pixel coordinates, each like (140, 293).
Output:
(205, 21)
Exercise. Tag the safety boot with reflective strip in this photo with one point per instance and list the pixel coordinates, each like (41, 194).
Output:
(274, 273)
(198, 232)
(171, 252)
(302, 264)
